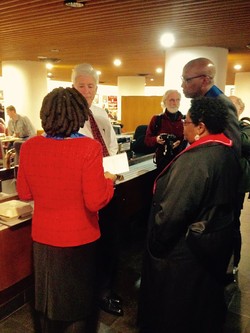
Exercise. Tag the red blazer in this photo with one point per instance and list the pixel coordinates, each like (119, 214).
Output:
(65, 178)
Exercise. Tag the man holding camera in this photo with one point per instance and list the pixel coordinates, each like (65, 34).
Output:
(165, 131)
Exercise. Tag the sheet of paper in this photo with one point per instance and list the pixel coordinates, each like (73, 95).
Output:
(116, 163)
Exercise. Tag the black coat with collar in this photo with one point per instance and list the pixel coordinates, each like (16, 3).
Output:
(180, 292)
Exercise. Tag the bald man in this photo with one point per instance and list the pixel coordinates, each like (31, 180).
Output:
(198, 80)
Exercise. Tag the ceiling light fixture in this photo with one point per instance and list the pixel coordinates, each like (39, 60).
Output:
(117, 62)
(75, 3)
(167, 40)
(237, 67)
(49, 65)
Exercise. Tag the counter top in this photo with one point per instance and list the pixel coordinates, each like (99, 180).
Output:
(138, 167)
(13, 222)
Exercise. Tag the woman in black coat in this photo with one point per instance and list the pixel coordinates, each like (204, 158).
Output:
(190, 230)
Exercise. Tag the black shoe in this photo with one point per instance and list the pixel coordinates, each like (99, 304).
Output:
(235, 273)
(108, 305)
(115, 298)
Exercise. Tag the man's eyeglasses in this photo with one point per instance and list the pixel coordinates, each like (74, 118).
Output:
(186, 80)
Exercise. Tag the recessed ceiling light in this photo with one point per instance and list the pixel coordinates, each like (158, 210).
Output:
(49, 66)
(237, 67)
(167, 40)
(117, 62)
(158, 70)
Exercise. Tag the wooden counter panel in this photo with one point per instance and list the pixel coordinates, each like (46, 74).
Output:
(16, 254)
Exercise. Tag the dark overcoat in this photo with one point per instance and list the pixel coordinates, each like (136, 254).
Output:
(182, 279)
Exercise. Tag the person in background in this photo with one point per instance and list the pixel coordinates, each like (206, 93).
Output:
(85, 80)
(244, 185)
(20, 127)
(190, 229)
(165, 131)
(198, 80)
(62, 172)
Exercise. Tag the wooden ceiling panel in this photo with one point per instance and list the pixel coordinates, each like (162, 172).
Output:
(129, 29)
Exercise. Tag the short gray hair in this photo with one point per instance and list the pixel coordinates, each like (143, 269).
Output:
(84, 69)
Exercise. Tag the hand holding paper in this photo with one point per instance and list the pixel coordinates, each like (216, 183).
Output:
(116, 163)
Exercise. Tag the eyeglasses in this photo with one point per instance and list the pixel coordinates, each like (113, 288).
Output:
(191, 78)
(185, 122)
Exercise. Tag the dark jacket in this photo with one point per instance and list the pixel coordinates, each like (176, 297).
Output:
(167, 123)
(170, 123)
(244, 185)
(180, 291)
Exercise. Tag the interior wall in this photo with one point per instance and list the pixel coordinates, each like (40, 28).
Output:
(24, 86)
(138, 110)
(242, 82)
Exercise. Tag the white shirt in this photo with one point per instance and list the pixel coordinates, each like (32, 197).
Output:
(105, 127)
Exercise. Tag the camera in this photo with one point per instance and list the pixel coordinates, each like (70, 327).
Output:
(169, 142)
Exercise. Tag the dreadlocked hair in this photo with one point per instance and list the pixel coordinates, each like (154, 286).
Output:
(63, 111)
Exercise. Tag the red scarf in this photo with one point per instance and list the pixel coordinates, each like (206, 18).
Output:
(219, 138)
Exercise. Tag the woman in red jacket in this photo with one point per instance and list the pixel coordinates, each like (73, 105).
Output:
(62, 172)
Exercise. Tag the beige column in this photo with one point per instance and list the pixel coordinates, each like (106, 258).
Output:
(176, 58)
(25, 85)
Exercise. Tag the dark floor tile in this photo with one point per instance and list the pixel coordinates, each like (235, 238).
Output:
(11, 326)
(26, 316)
(105, 329)
(247, 329)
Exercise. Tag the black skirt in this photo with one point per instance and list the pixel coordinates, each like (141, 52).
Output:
(65, 281)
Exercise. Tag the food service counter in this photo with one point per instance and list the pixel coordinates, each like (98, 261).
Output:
(127, 213)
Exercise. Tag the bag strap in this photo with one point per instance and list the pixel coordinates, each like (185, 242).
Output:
(157, 123)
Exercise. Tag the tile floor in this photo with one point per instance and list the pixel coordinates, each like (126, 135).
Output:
(237, 294)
